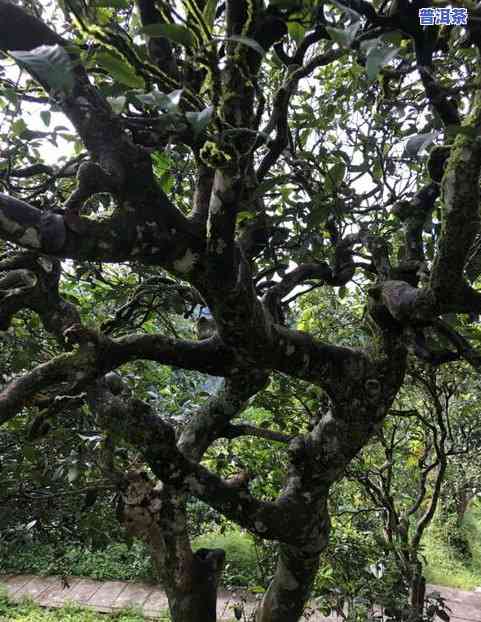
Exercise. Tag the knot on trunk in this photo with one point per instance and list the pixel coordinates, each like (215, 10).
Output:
(140, 504)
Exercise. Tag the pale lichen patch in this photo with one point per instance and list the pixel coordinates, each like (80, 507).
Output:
(187, 262)
(45, 264)
(449, 189)
(155, 505)
(189, 438)
(215, 205)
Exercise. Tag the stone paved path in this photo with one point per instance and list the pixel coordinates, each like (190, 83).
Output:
(109, 596)
(106, 596)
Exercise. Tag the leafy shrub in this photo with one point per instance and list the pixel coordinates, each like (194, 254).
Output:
(116, 561)
(445, 565)
(123, 562)
(241, 568)
(27, 611)
(355, 576)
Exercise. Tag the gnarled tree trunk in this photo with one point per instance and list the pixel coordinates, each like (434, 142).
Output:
(289, 591)
(193, 594)
(156, 514)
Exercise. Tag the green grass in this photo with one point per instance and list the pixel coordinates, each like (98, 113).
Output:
(472, 525)
(27, 611)
(447, 566)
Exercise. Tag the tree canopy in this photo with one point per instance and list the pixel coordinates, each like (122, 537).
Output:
(191, 185)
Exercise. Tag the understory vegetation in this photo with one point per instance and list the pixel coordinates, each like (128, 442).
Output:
(450, 564)
(27, 611)
(445, 563)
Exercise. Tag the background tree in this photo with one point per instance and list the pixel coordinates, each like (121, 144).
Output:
(416, 446)
(247, 151)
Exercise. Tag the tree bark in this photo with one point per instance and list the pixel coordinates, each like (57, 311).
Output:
(286, 597)
(156, 513)
(189, 579)
(417, 593)
(194, 596)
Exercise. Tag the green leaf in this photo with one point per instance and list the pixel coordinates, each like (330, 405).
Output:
(167, 183)
(31, 524)
(247, 41)
(348, 10)
(114, 4)
(337, 172)
(119, 69)
(30, 453)
(344, 37)
(162, 163)
(453, 130)
(269, 184)
(117, 103)
(73, 473)
(377, 171)
(70, 138)
(50, 64)
(245, 216)
(284, 4)
(296, 31)
(209, 13)
(174, 99)
(173, 32)
(394, 37)
(163, 101)
(46, 115)
(419, 142)
(18, 127)
(200, 120)
(377, 57)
